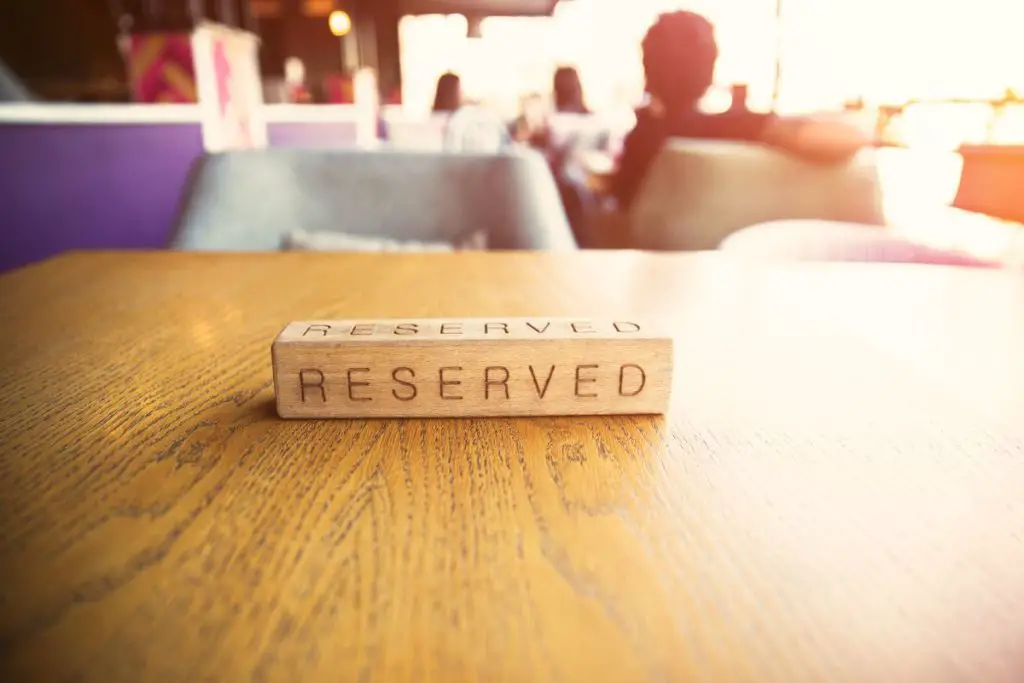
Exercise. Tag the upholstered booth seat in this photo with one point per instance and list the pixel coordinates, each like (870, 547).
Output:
(255, 200)
(698, 192)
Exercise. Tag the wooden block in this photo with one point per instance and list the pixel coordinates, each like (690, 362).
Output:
(471, 367)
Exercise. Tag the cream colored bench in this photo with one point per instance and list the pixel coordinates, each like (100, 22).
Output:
(699, 192)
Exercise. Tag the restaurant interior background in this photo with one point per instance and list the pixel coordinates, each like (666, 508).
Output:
(951, 62)
(952, 69)
(928, 77)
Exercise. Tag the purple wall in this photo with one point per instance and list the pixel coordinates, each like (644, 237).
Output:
(95, 186)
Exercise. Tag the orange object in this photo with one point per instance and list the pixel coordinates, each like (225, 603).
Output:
(338, 89)
(298, 94)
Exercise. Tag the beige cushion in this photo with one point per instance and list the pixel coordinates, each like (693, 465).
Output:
(698, 192)
(301, 240)
(810, 240)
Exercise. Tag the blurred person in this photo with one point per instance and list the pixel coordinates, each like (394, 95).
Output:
(125, 23)
(738, 98)
(679, 56)
(468, 125)
(448, 96)
(295, 89)
(568, 91)
(531, 126)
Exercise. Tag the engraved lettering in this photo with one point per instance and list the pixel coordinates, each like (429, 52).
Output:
(408, 394)
(541, 330)
(502, 326)
(582, 328)
(322, 329)
(362, 330)
(405, 329)
(448, 383)
(318, 384)
(584, 380)
(542, 391)
(456, 328)
(622, 380)
(636, 328)
(488, 382)
(352, 384)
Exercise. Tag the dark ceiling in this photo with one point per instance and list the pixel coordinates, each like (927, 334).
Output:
(58, 43)
(479, 7)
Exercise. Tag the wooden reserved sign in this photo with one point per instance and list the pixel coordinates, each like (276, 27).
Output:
(471, 367)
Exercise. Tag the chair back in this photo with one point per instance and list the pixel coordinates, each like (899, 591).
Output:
(253, 200)
(698, 192)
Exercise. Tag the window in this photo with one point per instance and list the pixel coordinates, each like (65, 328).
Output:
(828, 52)
(601, 38)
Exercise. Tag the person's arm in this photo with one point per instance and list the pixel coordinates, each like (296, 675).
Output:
(622, 184)
(639, 148)
(817, 140)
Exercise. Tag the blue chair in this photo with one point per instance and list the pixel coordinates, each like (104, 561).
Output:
(245, 201)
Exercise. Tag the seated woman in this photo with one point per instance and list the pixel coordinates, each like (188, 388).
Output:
(448, 96)
(533, 123)
(568, 91)
(467, 127)
(679, 55)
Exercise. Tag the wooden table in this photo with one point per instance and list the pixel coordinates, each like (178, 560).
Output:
(838, 494)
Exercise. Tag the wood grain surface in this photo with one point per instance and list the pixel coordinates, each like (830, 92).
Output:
(837, 494)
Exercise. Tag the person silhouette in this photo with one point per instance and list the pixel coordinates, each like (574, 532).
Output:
(679, 57)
